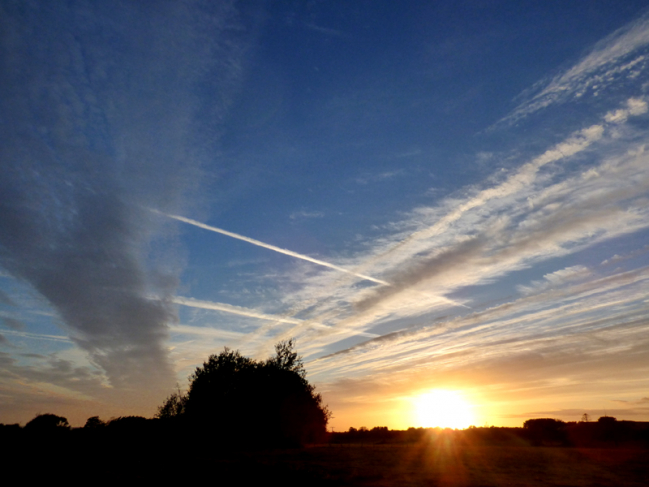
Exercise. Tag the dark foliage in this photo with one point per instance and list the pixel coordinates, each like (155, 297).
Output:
(94, 422)
(546, 431)
(254, 403)
(129, 424)
(607, 420)
(47, 422)
(173, 407)
(168, 451)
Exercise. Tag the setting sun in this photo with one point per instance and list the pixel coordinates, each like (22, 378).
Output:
(446, 409)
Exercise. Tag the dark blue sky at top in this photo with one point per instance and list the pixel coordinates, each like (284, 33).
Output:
(359, 112)
(333, 94)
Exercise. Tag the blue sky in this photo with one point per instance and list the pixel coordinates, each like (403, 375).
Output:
(425, 196)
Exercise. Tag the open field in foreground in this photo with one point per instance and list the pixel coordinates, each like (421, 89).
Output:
(447, 460)
(450, 465)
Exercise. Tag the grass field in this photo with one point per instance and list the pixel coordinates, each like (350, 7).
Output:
(446, 459)
(451, 464)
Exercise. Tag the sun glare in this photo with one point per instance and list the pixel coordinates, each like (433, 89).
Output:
(444, 409)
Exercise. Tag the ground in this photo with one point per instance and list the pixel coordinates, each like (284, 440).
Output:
(465, 465)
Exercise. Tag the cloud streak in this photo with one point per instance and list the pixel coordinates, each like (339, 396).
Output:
(528, 218)
(566, 318)
(228, 308)
(250, 313)
(620, 57)
(99, 104)
(520, 180)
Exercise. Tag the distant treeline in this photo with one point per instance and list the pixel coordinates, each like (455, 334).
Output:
(158, 448)
(232, 403)
(604, 433)
(136, 449)
(139, 432)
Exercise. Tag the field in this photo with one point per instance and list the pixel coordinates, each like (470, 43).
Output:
(443, 465)
(470, 458)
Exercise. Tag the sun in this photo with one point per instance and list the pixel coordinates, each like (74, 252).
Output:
(444, 409)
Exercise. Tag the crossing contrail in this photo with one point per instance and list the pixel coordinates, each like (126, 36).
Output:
(272, 247)
(293, 254)
(237, 310)
(251, 313)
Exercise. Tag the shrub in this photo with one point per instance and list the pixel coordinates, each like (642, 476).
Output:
(47, 422)
(248, 402)
(545, 430)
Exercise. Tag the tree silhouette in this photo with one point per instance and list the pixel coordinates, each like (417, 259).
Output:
(94, 422)
(607, 420)
(544, 430)
(47, 422)
(252, 402)
(287, 359)
(173, 407)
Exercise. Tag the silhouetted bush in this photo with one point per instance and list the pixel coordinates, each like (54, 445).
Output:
(129, 424)
(47, 422)
(10, 433)
(546, 431)
(607, 420)
(94, 422)
(250, 403)
(173, 407)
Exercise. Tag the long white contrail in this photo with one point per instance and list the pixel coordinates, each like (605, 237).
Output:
(272, 247)
(251, 313)
(237, 310)
(291, 253)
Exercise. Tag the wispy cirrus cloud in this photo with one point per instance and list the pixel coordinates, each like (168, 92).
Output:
(258, 315)
(228, 308)
(588, 188)
(301, 215)
(103, 103)
(13, 323)
(550, 322)
(5, 299)
(620, 57)
(530, 217)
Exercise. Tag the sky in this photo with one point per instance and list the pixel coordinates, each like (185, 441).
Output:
(426, 196)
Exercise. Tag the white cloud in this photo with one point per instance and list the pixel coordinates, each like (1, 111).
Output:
(306, 214)
(555, 279)
(635, 106)
(540, 212)
(591, 315)
(609, 60)
(228, 308)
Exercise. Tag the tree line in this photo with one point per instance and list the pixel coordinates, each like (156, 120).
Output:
(240, 402)
(606, 432)
(234, 399)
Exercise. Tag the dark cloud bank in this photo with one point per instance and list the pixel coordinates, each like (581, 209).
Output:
(107, 109)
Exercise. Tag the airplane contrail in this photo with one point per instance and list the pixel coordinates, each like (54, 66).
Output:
(272, 247)
(251, 313)
(237, 310)
(205, 331)
(292, 254)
